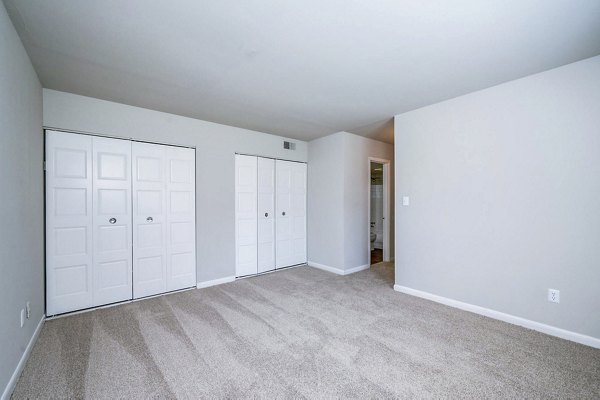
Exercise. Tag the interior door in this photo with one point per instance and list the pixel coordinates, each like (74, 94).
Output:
(298, 212)
(111, 220)
(283, 202)
(266, 217)
(69, 258)
(181, 217)
(291, 213)
(246, 215)
(149, 220)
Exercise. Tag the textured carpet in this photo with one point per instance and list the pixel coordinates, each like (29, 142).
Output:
(301, 333)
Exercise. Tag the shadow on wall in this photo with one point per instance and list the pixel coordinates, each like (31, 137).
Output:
(382, 131)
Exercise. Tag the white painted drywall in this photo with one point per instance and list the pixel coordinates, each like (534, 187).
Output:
(338, 195)
(325, 201)
(215, 148)
(21, 199)
(504, 186)
(357, 190)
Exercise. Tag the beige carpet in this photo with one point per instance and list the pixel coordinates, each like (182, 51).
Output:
(301, 333)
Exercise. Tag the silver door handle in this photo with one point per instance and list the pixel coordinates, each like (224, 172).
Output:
(266, 214)
(112, 220)
(283, 213)
(149, 219)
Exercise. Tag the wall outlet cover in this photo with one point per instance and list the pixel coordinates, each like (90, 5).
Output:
(554, 295)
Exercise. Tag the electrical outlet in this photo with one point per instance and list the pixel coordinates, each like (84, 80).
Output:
(554, 295)
(22, 317)
(28, 310)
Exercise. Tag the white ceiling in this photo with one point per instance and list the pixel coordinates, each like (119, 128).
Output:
(298, 68)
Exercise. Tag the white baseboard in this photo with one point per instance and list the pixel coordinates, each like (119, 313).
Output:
(15, 376)
(356, 269)
(327, 268)
(215, 282)
(338, 271)
(511, 319)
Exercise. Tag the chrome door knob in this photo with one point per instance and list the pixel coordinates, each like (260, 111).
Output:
(112, 220)
(149, 219)
(283, 213)
(266, 214)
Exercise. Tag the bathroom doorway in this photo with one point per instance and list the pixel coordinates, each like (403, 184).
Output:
(379, 210)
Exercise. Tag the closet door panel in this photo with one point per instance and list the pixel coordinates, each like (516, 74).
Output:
(283, 203)
(291, 213)
(246, 169)
(69, 247)
(298, 216)
(112, 220)
(181, 217)
(149, 220)
(266, 217)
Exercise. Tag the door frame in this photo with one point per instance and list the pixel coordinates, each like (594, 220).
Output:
(386, 208)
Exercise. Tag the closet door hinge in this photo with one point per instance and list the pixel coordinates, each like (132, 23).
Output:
(44, 165)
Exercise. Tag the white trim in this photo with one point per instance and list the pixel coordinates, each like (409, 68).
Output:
(112, 136)
(15, 376)
(215, 282)
(119, 303)
(357, 269)
(269, 271)
(327, 268)
(511, 319)
(338, 271)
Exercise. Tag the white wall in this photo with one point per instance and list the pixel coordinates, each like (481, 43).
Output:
(21, 199)
(357, 190)
(215, 148)
(325, 201)
(505, 197)
(338, 195)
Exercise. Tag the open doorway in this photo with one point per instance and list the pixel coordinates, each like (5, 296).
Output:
(379, 210)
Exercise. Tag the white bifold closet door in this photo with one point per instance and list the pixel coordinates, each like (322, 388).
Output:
(69, 247)
(149, 220)
(164, 256)
(181, 218)
(266, 214)
(270, 214)
(111, 220)
(120, 220)
(88, 221)
(246, 219)
(291, 213)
